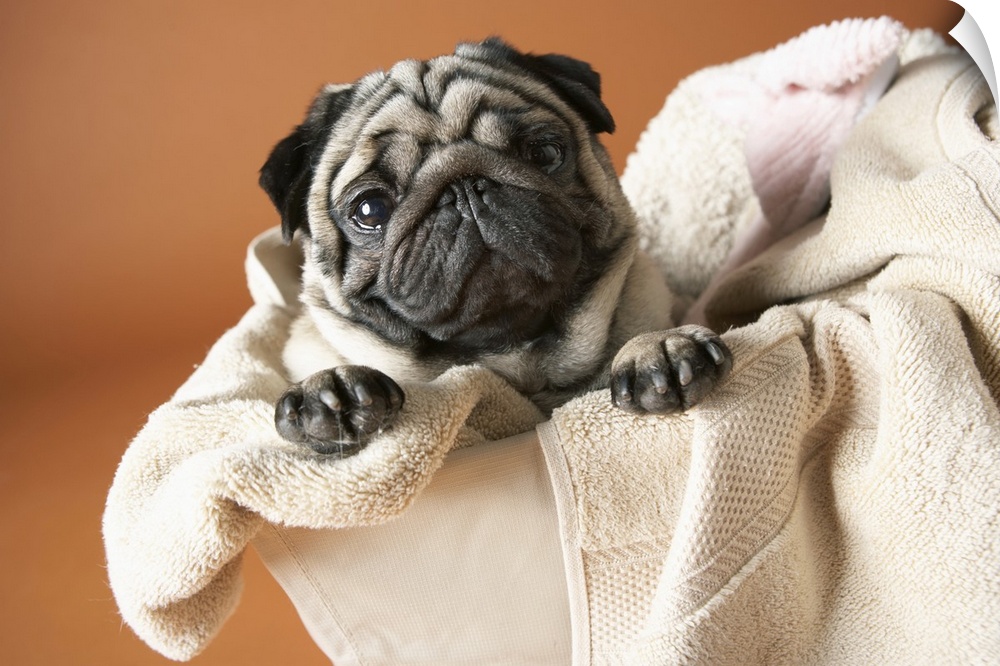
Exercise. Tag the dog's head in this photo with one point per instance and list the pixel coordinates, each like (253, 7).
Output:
(462, 201)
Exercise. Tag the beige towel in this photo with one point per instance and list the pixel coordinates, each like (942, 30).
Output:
(837, 501)
(207, 470)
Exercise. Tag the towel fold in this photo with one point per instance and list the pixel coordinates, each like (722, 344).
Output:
(207, 469)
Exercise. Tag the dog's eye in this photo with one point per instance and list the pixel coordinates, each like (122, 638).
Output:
(372, 211)
(547, 155)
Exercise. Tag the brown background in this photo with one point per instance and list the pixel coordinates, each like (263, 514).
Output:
(130, 137)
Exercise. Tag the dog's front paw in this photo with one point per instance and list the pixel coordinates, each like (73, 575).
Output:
(668, 371)
(338, 410)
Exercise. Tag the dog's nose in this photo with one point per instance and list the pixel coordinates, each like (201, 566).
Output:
(471, 187)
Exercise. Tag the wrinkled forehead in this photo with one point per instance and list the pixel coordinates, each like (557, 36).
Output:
(401, 114)
(450, 98)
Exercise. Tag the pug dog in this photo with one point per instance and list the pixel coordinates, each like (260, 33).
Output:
(461, 210)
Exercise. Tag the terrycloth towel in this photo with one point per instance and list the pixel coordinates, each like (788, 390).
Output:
(838, 500)
(207, 469)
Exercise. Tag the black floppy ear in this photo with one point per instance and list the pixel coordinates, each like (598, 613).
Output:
(581, 87)
(573, 80)
(286, 176)
(288, 171)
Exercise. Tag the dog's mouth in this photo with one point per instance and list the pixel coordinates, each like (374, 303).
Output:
(488, 264)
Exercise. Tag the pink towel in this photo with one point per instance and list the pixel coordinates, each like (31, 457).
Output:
(796, 108)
